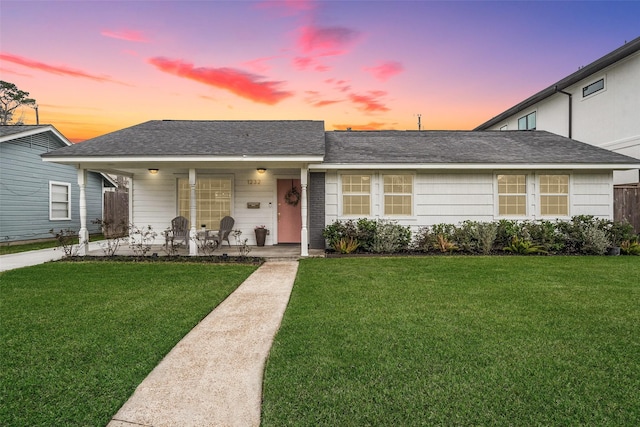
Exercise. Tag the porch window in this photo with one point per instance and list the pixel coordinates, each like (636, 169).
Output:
(213, 200)
(398, 195)
(59, 200)
(356, 195)
(554, 195)
(512, 195)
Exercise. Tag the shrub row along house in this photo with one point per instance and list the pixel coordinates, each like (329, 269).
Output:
(296, 178)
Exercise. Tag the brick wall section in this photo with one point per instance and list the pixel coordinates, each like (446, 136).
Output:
(316, 210)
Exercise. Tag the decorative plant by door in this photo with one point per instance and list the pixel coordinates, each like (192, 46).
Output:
(293, 196)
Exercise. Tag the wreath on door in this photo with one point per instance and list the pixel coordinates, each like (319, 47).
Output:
(293, 196)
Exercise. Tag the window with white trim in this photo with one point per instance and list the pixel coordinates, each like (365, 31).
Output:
(356, 195)
(512, 195)
(527, 122)
(59, 201)
(398, 195)
(213, 200)
(554, 195)
(593, 88)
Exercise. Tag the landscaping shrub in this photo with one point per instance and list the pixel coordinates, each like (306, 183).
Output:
(545, 234)
(595, 241)
(485, 234)
(423, 240)
(391, 237)
(630, 247)
(366, 233)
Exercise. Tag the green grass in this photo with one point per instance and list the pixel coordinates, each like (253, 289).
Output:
(46, 244)
(458, 341)
(78, 338)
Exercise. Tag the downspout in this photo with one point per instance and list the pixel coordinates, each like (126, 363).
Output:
(570, 108)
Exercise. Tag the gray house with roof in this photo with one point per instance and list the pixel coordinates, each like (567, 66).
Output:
(36, 197)
(295, 178)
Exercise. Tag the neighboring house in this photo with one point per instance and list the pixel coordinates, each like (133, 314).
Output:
(36, 197)
(599, 104)
(295, 178)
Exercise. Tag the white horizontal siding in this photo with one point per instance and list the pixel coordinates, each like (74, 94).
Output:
(592, 194)
(456, 197)
(155, 200)
(448, 197)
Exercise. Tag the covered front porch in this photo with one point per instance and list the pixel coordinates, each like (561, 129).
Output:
(258, 195)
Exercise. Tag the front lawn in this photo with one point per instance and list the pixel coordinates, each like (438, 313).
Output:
(78, 338)
(458, 341)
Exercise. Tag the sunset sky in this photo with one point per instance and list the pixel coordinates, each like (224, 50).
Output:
(98, 66)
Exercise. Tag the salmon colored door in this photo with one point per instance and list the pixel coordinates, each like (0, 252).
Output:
(289, 211)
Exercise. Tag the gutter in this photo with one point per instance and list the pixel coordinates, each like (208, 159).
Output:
(570, 108)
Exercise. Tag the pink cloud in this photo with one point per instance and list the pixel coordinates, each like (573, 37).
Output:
(128, 35)
(260, 65)
(369, 103)
(339, 85)
(385, 70)
(325, 103)
(53, 69)
(313, 98)
(326, 41)
(238, 82)
(303, 62)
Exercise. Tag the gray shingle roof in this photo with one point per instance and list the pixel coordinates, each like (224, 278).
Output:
(7, 130)
(198, 138)
(489, 147)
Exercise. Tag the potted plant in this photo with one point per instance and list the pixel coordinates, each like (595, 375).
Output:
(261, 234)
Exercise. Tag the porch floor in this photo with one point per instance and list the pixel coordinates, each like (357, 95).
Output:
(282, 252)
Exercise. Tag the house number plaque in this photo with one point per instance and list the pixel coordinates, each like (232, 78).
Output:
(254, 182)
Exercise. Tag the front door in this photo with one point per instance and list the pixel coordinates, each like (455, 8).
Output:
(289, 211)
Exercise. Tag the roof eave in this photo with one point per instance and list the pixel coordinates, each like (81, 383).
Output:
(179, 159)
(35, 131)
(475, 166)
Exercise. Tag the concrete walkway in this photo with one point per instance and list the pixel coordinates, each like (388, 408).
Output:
(213, 377)
(26, 259)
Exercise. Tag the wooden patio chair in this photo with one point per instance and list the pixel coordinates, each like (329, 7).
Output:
(180, 230)
(226, 227)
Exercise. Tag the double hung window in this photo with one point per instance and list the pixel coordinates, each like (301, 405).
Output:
(398, 195)
(512, 195)
(356, 195)
(554, 195)
(59, 200)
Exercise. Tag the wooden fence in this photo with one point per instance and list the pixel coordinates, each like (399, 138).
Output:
(626, 204)
(116, 214)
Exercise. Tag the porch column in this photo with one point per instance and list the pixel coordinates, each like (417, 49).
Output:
(83, 234)
(304, 234)
(193, 249)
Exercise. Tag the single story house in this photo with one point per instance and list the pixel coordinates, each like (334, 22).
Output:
(295, 178)
(36, 197)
